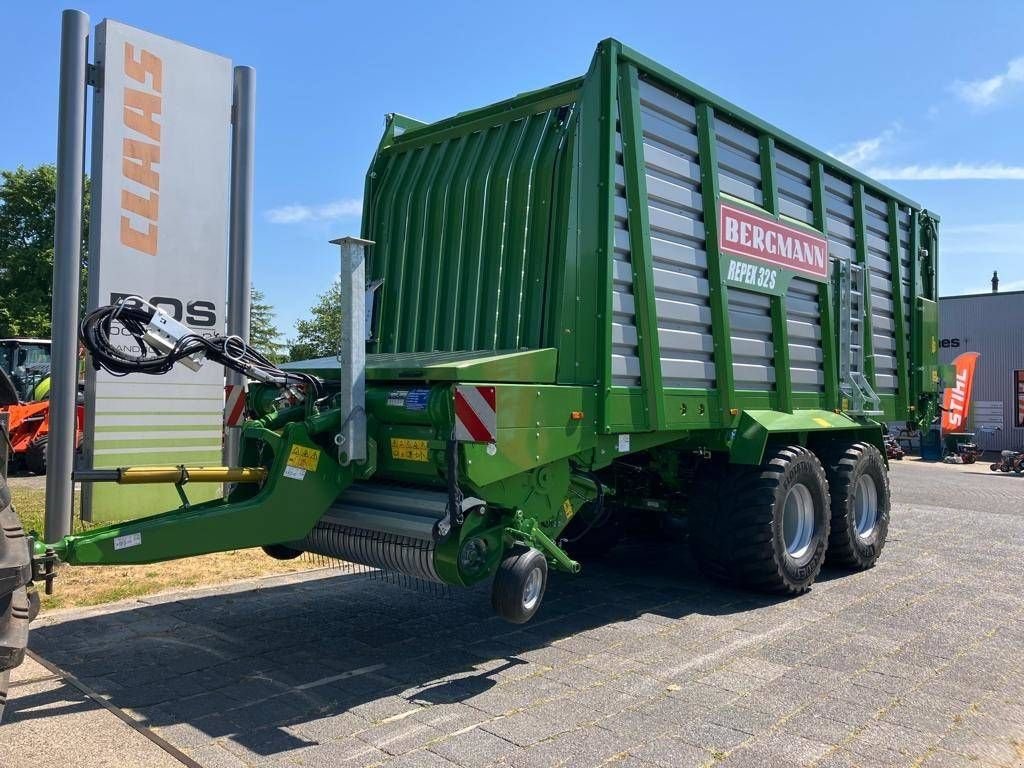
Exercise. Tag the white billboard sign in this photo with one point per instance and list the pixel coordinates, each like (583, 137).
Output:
(159, 230)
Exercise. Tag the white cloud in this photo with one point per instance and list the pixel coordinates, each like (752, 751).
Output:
(986, 92)
(1000, 238)
(954, 172)
(866, 150)
(296, 213)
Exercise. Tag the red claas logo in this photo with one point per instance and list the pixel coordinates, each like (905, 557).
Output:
(142, 107)
(956, 403)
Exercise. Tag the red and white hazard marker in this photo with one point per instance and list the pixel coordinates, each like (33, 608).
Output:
(476, 417)
(234, 405)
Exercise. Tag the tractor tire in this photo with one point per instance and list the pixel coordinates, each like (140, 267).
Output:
(765, 527)
(35, 455)
(281, 552)
(859, 484)
(519, 584)
(17, 607)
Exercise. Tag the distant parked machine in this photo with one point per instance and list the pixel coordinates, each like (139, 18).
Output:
(893, 449)
(25, 385)
(1009, 461)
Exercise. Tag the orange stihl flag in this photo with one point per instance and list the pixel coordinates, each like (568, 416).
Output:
(956, 403)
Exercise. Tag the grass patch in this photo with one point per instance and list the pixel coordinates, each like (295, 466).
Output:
(98, 584)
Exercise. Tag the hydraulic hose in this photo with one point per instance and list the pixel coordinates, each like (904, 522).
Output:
(157, 359)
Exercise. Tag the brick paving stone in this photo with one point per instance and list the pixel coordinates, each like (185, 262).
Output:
(670, 752)
(474, 748)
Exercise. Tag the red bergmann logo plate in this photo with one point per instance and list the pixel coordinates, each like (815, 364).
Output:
(744, 233)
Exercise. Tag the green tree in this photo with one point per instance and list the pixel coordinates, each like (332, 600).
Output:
(320, 335)
(27, 211)
(263, 333)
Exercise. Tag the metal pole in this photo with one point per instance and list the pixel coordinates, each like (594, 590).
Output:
(243, 125)
(67, 259)
(352, 351)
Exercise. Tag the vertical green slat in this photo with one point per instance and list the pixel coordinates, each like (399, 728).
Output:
(419, 237)
(780, 331)
(861, 235)
(640, 248)
(915, 291)
(898, 318)
(826, 307)
(606, 219)
(503, 218)
(717, 291)
(541, 241)
(390, 246)
(562, 274)
(439, 247)
(476, 223)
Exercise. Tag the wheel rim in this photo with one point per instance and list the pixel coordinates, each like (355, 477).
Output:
(865, 506)
(531, 589)
(798, 522)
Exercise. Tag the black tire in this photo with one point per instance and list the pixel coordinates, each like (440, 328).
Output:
(518, 591)
(281, 552)
(859, 484)
(16, 607)
(993, 467)
(35, 455)
(741, 531)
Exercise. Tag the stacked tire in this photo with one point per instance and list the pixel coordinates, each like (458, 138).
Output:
(772, 527)
(17, 596)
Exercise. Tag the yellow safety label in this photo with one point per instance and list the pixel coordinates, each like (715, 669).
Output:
(821, 422)
(567, 509)
(304, 458)
(409, 450)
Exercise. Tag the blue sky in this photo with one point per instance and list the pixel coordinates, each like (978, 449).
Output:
(929, 96)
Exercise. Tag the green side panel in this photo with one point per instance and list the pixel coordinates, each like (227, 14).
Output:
(462, 213)
(502, 229)
(926, 341)
(514, 366)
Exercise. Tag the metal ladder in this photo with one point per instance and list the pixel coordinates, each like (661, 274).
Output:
(852, 383)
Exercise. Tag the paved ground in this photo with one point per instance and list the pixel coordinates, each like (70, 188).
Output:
(917, 662)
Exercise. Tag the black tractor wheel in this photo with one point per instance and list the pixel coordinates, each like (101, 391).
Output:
(16, 606)
(519, 584)
(859, 483)
(35, 455)
(762, 527)
(281, 552)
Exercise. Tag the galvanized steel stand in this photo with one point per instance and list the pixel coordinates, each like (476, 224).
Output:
(67, 259)
(243, 121)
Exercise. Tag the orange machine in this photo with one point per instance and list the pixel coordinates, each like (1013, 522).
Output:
(24, 396)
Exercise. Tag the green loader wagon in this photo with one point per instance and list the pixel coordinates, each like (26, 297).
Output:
(616, 297)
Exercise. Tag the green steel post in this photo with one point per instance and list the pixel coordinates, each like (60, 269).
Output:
(606, 243)
(898, 317)
(861, 238)
(780, 330)
(717, 291)
(640, 247)
(917, 379)
(826, 306)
